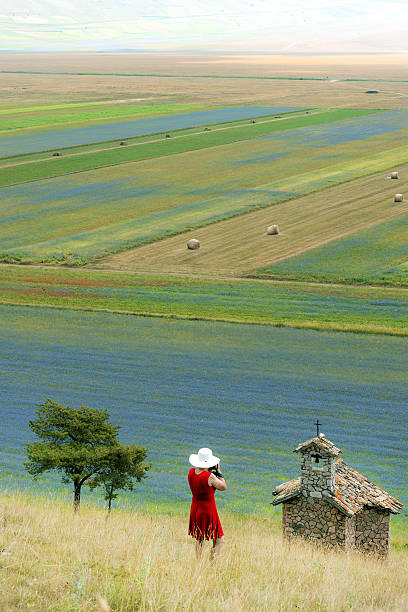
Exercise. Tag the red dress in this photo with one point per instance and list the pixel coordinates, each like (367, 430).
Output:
(204, 520)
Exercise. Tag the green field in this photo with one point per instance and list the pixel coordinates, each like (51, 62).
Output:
(98, 227)
(70, 105)
(29, 167)
(42, 117)
(378, 256)
(80, 217)
(305, 223)
(104, 198)
(278, 304)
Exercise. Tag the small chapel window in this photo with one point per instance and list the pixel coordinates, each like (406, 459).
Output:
(317, 463)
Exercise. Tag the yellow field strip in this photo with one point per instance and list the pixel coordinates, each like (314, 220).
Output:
(239, 245)
(68, 106)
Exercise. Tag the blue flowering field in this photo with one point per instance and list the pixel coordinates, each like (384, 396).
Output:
(81, 216)
(79, 158)
(248, 392)
(42, 141)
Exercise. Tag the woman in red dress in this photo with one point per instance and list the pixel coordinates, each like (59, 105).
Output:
(203, 478)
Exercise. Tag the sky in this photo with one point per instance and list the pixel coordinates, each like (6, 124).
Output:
(284, 26)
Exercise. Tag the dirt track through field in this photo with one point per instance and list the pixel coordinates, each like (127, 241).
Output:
(240, 245)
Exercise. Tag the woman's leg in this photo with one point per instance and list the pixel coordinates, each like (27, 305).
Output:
(218, 545)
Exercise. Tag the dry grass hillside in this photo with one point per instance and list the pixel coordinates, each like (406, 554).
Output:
(51, 560)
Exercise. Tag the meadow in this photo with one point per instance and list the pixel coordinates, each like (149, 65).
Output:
(46, 140)
(198, 353)
(53, 561)
(40, 117)
(305, 223)
(249, 392)
(132, 204)
(377, 255)
(378, 311)
(34, 166)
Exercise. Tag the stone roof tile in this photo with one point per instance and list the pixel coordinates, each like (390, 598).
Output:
(338, 501)
(287, 490)
(358, 491)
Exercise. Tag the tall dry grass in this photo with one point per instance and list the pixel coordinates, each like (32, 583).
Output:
(53, 560)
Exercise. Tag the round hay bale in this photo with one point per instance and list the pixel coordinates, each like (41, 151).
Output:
(398, 197)
(123, 143)
(207, 129)
(193, 244)
(272, 230)
(253, 121)
(394, 175)
(56, 154)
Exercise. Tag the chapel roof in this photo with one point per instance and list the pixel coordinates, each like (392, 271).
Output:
(352, 492)
(322, 443)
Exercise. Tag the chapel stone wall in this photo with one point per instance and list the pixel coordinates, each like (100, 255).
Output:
(314, 519)
(373, 531)
(350, 532)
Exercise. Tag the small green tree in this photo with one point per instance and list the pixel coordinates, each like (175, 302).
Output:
(74, 441)
(123, 466)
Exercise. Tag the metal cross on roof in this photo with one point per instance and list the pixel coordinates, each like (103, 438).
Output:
(317, 427)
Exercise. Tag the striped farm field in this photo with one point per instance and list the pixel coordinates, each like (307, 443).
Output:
(40, 117)
(84, 216)
(238, 246)
(244, 301)
(378, 255)
(50, 139)
(34, 166)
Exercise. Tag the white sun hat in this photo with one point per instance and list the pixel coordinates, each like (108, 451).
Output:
(204, 459)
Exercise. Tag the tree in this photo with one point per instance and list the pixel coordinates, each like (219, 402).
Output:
(123, 465)
(75, 441)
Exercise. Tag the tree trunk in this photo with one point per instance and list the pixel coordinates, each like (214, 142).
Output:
(77, 495)
(109, 505)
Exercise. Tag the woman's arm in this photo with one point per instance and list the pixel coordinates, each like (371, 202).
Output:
(217, 483)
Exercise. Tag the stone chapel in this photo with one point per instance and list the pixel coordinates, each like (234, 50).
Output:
(334, 503)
